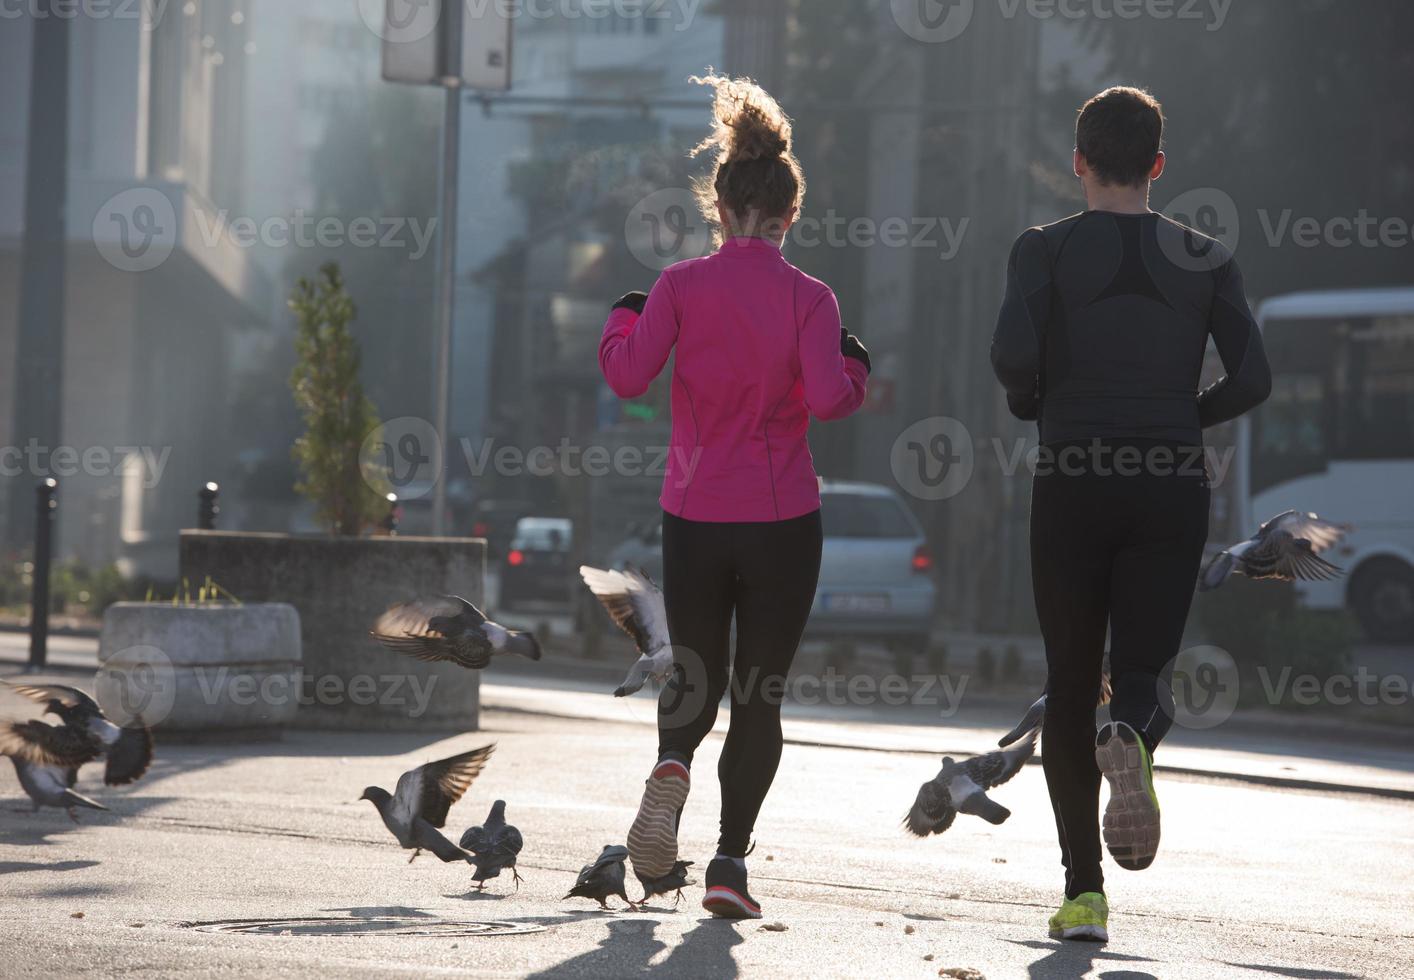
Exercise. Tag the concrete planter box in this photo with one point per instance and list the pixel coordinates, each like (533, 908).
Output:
(339, 586)
(210, 668)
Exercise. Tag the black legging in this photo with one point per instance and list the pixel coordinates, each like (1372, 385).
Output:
(765, 574)
(1116, 550)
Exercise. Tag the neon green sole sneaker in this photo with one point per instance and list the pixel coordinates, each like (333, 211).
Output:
(1132, 816)
(1084, 917)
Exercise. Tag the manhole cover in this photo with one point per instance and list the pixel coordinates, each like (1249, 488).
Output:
(374, 926)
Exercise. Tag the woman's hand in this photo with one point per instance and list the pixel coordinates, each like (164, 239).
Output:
(632, 301)
(851, 347)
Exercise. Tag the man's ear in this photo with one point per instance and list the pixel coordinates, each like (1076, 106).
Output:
(1078, 163)
(1160, 162)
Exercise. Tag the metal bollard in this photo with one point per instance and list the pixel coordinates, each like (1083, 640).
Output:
(209, 508)
(39, 592)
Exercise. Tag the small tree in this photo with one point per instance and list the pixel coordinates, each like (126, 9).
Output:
(337, 414)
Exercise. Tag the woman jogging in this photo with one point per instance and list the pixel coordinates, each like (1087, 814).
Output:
(759, 350)
(1101, 339)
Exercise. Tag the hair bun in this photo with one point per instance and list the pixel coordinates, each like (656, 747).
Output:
(748, 123)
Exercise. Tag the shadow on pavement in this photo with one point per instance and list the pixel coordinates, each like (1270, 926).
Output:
(16, 867)
(1072, 960)
(1299, 973)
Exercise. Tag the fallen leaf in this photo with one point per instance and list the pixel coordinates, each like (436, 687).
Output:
(999, 860)
(76, 915)
(878, 923)
(774, 926)
(928, 958)
(909, 930)
(961, 973)
(136, 925)
(770, 857)
(954, 895)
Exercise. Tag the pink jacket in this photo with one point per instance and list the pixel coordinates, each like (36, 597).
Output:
(758, 353)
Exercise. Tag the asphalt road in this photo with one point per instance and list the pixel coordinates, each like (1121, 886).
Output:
(1252, 880)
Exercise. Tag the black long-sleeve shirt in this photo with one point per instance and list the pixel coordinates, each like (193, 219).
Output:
(1105, 323)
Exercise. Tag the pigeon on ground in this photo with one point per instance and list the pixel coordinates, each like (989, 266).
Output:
(1037, 712)
(46, 759)
(449, 628)
(604, 877)
(418, 807)
(674, 881)
(493, 846)
(128, 750)
(1287, 547)
(636, 605)
(961, 787)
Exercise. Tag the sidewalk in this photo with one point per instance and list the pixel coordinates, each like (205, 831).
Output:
(168, 883)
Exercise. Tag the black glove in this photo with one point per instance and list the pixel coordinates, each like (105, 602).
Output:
(632, 301)
(851, 347)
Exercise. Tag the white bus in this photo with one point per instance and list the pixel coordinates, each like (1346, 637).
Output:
(1337, 438)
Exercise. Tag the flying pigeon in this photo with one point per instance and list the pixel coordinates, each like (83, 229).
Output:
(128, 750)
(1037, 712)
(604, 877)
(674, 881)
(1287, 547)
(449, 628)
(636, 605)
(46, 759)
(493, 846)
(418, 807)
(962, 787)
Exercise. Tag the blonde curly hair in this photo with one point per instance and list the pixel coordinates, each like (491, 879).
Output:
(757, 177)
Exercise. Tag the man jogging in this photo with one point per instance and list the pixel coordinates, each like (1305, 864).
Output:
(1100, 340)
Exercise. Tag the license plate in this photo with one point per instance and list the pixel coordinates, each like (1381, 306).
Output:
(856, 602)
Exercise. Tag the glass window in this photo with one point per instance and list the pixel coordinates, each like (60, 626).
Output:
(853, 515)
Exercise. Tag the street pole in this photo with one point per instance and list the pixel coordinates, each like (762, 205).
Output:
(446, 289)
(39, 586)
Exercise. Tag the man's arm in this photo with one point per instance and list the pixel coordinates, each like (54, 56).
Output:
(1016, 345)
(1248, 381)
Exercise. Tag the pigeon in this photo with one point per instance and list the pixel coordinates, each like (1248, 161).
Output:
(47, 758)
(1287, 547)
(604, 877)
(962, 787)
(674, 881)
(417, 808)
(493, 846)
(1037, 712)
(636, 605)
(128, 750)
(449, 628)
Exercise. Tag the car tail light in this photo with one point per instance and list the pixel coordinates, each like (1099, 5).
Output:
(516, 558)
(922, 560)
(479, 529)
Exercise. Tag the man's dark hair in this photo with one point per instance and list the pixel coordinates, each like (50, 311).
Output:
(1119, 133)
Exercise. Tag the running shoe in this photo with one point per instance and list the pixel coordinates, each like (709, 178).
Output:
(1086, 917)
(653, 838)
(1132, 816)
(727, 897)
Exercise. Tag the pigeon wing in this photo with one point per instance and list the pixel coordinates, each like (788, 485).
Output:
(634, 602)
(68, 697)
(475, 840)
(1321, 534)
(995, 768)
(43, 744)
(435, 628)
(932, 811)
(130, 755)
(430, 790)
(1280, 555)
